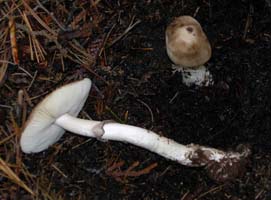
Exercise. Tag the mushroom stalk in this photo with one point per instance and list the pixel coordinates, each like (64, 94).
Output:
(200, 76)
(220, 165)
(130, 134)
(76, 125)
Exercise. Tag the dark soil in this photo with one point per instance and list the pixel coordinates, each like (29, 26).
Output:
(141, 90)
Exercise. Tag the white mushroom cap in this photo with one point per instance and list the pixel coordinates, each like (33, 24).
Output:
(40, 130)
(186, 43)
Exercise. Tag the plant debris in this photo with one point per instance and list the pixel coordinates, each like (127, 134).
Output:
(120, 45)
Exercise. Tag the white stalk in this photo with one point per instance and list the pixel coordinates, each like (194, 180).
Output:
(220, 165)
(129, 134)
(200, 76)
(75, 125)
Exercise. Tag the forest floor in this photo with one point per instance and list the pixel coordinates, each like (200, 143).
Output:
(120, 46)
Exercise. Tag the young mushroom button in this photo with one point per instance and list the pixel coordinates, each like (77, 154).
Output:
(58, 112)
(188, 48)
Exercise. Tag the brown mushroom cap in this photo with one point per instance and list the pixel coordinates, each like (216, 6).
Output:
(187, 44)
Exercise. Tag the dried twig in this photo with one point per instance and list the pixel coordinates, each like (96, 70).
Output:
(38, 49)
(128, 29)
(13, 41)
(13, 177)
(41, 22)
(51, 15)
(4, 57)
(120, 175)
(149, 109)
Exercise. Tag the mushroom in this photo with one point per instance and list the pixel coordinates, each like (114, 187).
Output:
(58, 112)
(188, 48)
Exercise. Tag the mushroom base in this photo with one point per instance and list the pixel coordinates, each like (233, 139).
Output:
(199, 76)
(229, 166)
